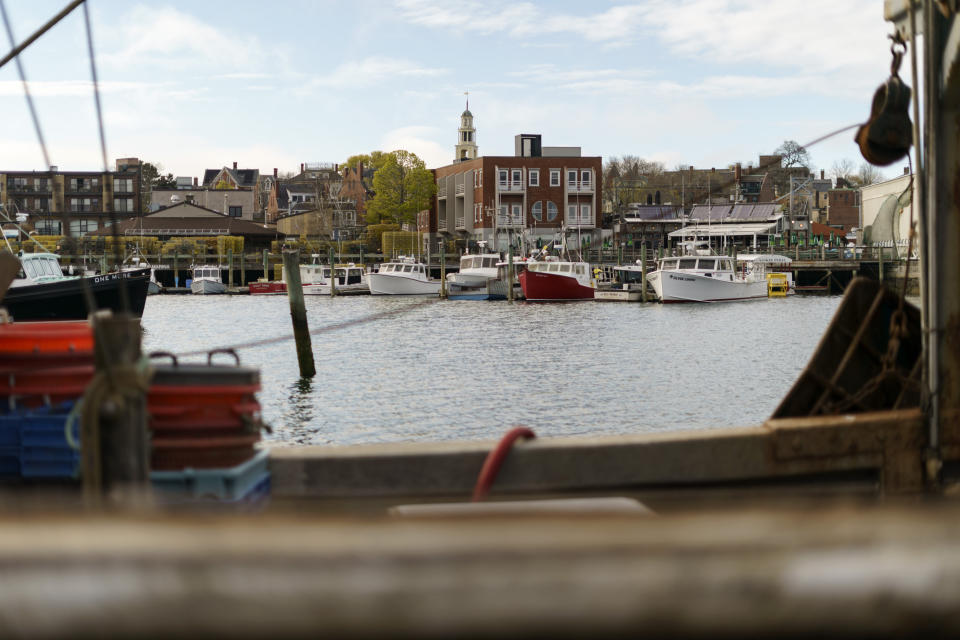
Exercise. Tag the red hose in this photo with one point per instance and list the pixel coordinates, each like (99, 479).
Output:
(491, 466)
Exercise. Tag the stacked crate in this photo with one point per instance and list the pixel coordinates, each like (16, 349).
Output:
(44, 369)
(205, 421)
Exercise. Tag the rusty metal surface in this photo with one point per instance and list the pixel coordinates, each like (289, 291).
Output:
(867, 360)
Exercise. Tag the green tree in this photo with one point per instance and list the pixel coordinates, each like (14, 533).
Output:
(151, 178)
(403, 187)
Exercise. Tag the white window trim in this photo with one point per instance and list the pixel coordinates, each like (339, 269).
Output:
(534, 177)
(559, 174)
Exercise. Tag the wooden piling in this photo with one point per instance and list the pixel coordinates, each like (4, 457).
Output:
(116, 448)
(880, 266)
(443, 272)
(298, 313)
(510, 274)
(176, 270)
(643, 274)
(230, 268)
(266, 265)
(333, 275)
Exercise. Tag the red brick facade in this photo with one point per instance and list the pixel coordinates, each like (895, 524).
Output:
(843, 208)
(517, 193)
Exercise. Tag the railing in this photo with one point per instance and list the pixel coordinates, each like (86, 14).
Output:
(83, 189)
(181, 232)
(442, 224)
(580, 187)
(459, 223)
(512, 187)
(20, 188)
(441, 192)
(460, 189)
(510, 221)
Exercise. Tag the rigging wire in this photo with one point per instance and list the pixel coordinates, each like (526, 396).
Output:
(39, 32)
(26, 88)
(117, 255)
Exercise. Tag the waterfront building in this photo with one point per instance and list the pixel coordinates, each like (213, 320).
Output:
(72, 203)
(843, 206)
(534, 195)
(232, 191)
(191, 220)
(313, 203)
(742, 225)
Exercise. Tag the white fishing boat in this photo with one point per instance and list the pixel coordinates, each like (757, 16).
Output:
(478, 278)
(207, 280)
(402, 277)
(700, 278)
(315, 279)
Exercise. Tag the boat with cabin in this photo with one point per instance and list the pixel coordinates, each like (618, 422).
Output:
(207, 280)
(404, 276)
(349, 278)
(713, 278)
(41, 291)
(552, 279)
(479, 278)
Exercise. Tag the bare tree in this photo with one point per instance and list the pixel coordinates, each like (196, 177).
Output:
(792, 154)
(842, 169)
(868, 174)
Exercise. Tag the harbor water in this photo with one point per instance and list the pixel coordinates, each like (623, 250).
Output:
(392, 369)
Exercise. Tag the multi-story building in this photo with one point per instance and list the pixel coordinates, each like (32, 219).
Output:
(71, 203)
(533, 195)
(843, 208)
(231, 191)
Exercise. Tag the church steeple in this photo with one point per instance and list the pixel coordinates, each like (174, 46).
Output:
(466, 148)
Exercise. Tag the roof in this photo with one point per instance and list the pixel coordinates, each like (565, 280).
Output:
(466, 113)
(651, 212)
(208, 223)
(726, 230)
(726, 212)
(243, 177)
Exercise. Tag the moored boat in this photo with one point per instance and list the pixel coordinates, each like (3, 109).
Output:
(348, 279)
(479, 278)
(207, 280)
(557, 280)
(403, 276)
(42, 292)
(699, 278)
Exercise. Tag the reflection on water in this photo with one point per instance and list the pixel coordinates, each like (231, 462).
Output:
(470, 370)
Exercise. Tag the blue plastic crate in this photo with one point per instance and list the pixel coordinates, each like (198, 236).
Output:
(230, 484)
(9, 461)
(47, 429)
(49, 462)
(10, 426)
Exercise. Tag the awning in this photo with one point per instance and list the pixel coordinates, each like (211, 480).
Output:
(726, 230)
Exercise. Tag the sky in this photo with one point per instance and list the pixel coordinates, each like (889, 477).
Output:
(196, 84)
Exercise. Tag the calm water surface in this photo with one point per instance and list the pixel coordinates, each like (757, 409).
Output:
(470, 370)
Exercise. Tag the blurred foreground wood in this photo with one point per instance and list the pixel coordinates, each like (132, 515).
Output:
(841, 571)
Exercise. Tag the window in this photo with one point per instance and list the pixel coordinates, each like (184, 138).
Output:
(479, 177)
(585, 177)
(236, 212)
(707, 263)
(585, 213)
(537, 211)
(123, 205)
(81, 227)
(503, 177)
(688, 263)
(48, 227)
(78, 205)
(517, 176)
(503, 212)
(572, 177)
(534, 177)
(123, 185)
(551, 209)
(571, 213)
(554, 177)
(517, 213)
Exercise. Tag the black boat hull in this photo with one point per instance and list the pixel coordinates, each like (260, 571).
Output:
(66, 300)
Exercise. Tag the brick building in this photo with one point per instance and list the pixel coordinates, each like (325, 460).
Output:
(533, 194)
(843, 206)
(72, 203)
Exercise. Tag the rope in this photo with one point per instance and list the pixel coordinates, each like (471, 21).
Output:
(346, 324)
(491, 466)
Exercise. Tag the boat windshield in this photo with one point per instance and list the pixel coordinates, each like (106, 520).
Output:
(407, 268)
(708, 264)
(31, 268)
(688, 263)
(489, 262)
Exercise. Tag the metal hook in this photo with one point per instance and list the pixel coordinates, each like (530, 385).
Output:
(897, 55)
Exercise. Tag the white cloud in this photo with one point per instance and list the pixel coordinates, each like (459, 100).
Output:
(421, 141)
(524, 19)
(815, 34)
(67, 88)
(369, 71)
(168, 38)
